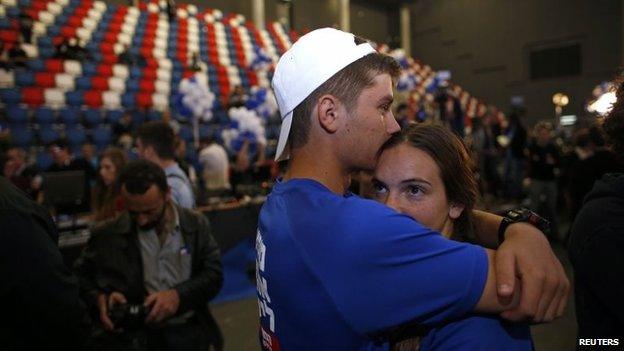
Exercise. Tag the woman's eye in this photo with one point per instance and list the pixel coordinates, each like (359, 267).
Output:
(384, 108)
(414, 190)
(379, 188)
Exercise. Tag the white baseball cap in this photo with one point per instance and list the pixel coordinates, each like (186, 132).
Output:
(311, 61)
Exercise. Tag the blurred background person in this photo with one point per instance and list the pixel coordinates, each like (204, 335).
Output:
(23, 176)
(216, 168)
(515, 157)
(107, 202)
(543, 157)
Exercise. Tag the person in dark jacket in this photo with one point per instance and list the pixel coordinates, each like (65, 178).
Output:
(514, 157)
(157, 255)
(39, 299)
(597, 243)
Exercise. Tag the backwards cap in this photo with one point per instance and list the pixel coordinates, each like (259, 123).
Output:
(310, 62)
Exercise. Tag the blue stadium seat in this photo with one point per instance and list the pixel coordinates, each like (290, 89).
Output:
(44, 160)
(113, 116)
(83, 83)
(135, 72)
(17, 115)
(48, 135)
(21, 137)
(45, 42)
(153, 115)
(101, 137)
(5, 23)
(74, 98)
(36, 64)
(10, 96)
(75, 136)
(132, 85)
(44, 116)
(93, 117)
(46, 53)
(70, 116)
(89, 69)
(138, 118)
(128, 100)
(53, 31)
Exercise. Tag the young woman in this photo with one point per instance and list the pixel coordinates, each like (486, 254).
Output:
(107, 203)
(426, 172)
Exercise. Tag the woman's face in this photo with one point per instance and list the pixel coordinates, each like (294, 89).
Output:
(108, 171)
(408, 180)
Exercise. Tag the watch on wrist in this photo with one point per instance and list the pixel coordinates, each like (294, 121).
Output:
(522, 215)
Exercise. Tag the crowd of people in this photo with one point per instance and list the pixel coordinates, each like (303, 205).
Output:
(152, 255)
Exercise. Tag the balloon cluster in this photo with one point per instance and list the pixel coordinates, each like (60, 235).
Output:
(194, 99)
(262, 101)
(261, 60)
(245, 125)
(408, 80)
(401, 57)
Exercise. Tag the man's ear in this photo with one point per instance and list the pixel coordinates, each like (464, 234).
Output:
(328, 112)
(455, 210)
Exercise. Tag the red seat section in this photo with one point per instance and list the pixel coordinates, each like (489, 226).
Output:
(45, 79)
(32, 96)
(93, 98)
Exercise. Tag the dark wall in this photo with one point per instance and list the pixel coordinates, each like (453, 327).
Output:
(375, 21)
(486, 45)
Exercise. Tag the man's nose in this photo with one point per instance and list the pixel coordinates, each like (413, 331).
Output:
(392, 126)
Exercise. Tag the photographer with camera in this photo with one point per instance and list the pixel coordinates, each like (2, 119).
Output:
(150, 273)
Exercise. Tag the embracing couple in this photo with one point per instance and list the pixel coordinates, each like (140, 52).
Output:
(338, 272)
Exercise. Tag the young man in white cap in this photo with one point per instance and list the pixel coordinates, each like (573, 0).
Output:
(337, 272)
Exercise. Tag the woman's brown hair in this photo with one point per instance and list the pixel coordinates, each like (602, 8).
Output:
(104, 206)
(453, 160)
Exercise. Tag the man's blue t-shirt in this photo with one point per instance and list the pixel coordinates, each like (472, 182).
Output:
(336, 271)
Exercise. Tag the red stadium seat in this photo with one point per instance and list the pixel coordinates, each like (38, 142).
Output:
(144, 99)
(105, 70)
(149, 73)
(45, 79)
(147, 85)
(54, 65)
(93, 98)
(68, 32)
(109, 59)
(32, 96)
(107, 48)
(99, 83)
(8, 36)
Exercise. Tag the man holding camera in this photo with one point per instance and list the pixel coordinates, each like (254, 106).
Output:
(150, 272)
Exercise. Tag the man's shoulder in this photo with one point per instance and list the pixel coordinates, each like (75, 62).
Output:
(114, 226)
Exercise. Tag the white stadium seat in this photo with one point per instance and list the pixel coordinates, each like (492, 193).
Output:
(120, 71)
(54, 98)
(111, 100)
(7, 80)
(73, 67)
(65, 81)
(117, 84)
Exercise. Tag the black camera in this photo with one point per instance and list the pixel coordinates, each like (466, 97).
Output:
(128, 317)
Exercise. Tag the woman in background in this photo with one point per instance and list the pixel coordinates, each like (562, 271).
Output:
(425, 172)
(107, 202)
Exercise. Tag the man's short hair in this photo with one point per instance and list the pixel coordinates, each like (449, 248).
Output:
(138, 176)
(346, 85)
(160, 136)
